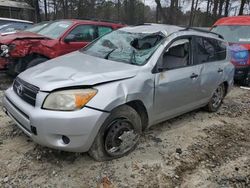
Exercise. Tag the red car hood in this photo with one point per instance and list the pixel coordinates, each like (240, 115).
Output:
(8, 38)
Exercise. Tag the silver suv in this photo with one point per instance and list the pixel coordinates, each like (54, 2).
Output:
(101, 98)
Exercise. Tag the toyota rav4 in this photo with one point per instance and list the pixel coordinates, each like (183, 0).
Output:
(100, 98)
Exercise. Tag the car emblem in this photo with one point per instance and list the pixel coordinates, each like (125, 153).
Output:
(19, 90)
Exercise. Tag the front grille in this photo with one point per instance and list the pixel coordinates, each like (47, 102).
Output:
(25, 91)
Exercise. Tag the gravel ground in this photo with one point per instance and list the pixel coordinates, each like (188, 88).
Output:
(198, 149)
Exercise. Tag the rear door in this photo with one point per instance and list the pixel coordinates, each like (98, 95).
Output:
(211, 54)
(177, 84)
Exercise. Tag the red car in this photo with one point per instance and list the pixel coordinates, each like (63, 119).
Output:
(236, 30)
(47, 40)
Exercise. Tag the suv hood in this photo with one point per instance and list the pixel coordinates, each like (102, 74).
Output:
(7, 38)
(76, 69)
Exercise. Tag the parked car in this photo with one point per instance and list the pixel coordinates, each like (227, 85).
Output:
(12, 25)
(100, 98)
(236, 30)
(48, 40)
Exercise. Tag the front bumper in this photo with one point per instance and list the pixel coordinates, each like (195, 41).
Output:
(242, 73)
(48, 127)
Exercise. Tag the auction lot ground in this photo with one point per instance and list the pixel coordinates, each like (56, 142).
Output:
(198, 149)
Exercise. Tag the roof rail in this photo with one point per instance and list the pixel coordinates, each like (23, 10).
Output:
(202, 30)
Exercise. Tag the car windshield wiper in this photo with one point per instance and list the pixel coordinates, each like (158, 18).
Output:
(108, 54)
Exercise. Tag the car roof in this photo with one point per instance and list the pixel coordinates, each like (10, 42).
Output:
(233, 20)
(152, 28)
(92, 22)
(15, 20)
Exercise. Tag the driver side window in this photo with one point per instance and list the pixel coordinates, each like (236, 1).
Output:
(82, 33)
(177, 55)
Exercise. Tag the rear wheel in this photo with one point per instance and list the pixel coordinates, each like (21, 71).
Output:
(217, 99)
(118, 136)
(36, 61)
(246, 81)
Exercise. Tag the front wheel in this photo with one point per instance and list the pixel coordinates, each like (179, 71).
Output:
(36, 61)
(118, 136)
(217, 99)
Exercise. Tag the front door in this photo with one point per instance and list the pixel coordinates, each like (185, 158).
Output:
(177, 85)
(77, 38)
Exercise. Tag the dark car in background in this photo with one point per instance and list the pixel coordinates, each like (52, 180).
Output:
(12, 25)
(236, 30)
(48, 40)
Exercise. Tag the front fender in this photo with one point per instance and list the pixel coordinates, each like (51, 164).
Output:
(113, 94)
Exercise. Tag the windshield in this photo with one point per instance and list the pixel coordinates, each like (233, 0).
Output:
(234, 33)
(51, 29)
(37, 27)
(133, 48)
(55, 29)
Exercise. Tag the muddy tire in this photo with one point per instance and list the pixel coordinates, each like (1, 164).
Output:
(36, 61)
(216, 99)
(118, 135)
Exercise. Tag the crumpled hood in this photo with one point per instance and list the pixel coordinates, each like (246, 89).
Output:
(76, 69)
(8, 38)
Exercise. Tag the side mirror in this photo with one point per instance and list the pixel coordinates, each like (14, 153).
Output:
(69, 38)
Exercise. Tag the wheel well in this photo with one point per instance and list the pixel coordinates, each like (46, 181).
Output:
(141, 110)
(35, 55)
(226, 87)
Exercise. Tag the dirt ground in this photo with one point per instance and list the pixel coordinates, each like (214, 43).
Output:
(198, 149)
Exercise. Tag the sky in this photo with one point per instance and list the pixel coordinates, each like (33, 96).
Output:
(234, 7)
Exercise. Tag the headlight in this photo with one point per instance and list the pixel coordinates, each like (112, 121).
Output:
(69, 100)
(5, 50)
(4, 47)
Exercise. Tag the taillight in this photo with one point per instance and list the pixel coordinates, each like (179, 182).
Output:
(249, 59)
(240, 58)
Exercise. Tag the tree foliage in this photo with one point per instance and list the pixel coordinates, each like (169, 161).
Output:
(136, 12)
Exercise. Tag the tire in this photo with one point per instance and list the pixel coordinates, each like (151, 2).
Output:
(216, 99)
(36, 61)
(118, 136)
(246, 81)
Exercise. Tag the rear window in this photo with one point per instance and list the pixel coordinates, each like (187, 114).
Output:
(234, 33)
(209, 50)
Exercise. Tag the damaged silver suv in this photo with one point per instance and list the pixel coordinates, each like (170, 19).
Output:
(101, 98)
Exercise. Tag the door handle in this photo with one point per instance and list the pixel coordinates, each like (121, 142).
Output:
(220, 70)
(193, 76)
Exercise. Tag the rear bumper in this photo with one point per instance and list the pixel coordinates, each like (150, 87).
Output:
(47, 128)
(242, 73)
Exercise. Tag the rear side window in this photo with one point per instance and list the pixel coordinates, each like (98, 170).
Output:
(102, 30)
(210, 50)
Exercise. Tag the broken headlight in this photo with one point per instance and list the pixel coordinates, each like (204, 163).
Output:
(69, 100)
(4, 50)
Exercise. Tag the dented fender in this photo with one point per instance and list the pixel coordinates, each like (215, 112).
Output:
(27, 47)
(113, 94)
